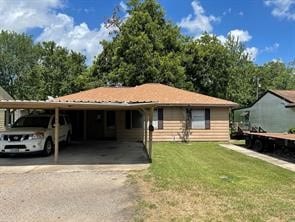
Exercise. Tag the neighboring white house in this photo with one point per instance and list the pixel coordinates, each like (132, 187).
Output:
(270, 112)
(3, 117)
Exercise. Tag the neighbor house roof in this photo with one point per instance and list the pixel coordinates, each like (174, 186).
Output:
(150, 92)
(4, 94)
(288, 95)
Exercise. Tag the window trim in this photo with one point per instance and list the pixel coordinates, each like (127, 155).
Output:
(207, 119)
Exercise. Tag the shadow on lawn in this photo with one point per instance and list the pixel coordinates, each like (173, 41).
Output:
(279, 153)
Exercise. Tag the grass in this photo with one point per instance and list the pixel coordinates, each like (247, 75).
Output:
(205, 182)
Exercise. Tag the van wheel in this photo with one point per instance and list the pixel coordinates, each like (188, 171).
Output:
(48, 147)
(69, 139)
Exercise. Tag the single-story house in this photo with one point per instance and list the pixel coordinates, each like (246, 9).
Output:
(272, 112)
(179, 115)
(145, 113)
(3, 114)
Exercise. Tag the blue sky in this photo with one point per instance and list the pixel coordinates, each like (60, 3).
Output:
(266, 27)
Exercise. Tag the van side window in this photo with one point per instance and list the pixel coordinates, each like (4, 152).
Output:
(61, 121)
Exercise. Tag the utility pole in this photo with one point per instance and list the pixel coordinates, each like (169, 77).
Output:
(257, 87)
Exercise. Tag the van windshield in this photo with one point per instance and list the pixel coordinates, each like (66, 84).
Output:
(32, 121)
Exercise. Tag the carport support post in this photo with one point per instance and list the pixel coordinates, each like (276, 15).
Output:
(56, 134)
(151, 113)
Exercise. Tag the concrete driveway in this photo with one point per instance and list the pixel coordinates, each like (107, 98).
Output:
(90, 183)
(66, 196)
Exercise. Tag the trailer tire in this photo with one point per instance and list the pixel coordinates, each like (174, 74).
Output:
(258, 146)
(248, 142)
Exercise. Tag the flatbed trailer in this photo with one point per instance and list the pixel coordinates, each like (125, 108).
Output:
(269, 141)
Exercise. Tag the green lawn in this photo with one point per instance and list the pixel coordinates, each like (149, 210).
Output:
(205, 182)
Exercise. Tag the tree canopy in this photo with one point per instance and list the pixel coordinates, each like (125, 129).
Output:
(149, 48)
(35, 71)
(146, 47)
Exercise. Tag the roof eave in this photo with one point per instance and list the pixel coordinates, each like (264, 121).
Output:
(290, 105)
(199, 105)
(29, 104)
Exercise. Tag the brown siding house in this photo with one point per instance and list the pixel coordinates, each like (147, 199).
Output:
(179, 115)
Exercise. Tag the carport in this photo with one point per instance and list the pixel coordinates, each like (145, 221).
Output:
(147, 108)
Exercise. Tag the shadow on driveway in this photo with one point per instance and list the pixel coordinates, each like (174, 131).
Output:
(86, 153)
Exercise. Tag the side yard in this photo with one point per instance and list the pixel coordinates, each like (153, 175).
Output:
(205, 182)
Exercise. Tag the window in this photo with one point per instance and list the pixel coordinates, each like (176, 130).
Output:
(158, 119)
(137, 119)
(32, 121)
(68, 119)
(133, 119)
(198, 118)
(61, 121)
(7, 118)
(111, 119)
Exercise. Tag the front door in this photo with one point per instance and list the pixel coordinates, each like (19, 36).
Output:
(95, 124)
(110, 125)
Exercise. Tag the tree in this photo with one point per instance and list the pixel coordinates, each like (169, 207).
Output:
(35, 71)
(242, 72)
(17, 57)
(220, 69)
(276, 75)
(57, 71)
(206, 64)
(147, 48)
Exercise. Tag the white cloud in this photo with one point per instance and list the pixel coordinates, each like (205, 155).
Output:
(282, 8)
(241, 13)
(222, 38)
(252, 53)
(228, 11)
(240, 35)
(271, 48)
(237, 34)
(23, 15)
(278, 60)
(76, 37)
(123, 6)
(20, 16)
(200, 22)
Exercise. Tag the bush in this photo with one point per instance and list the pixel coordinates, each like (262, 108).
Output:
(291, 130)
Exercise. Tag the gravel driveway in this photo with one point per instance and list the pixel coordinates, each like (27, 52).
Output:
(66, 196)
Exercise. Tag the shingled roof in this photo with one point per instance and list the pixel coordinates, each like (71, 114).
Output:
(150, 92)
(288, 95)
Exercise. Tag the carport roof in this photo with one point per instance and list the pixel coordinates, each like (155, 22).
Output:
(77, 105)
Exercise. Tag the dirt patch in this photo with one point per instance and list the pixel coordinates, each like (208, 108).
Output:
(194, 204)
(199, 203)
